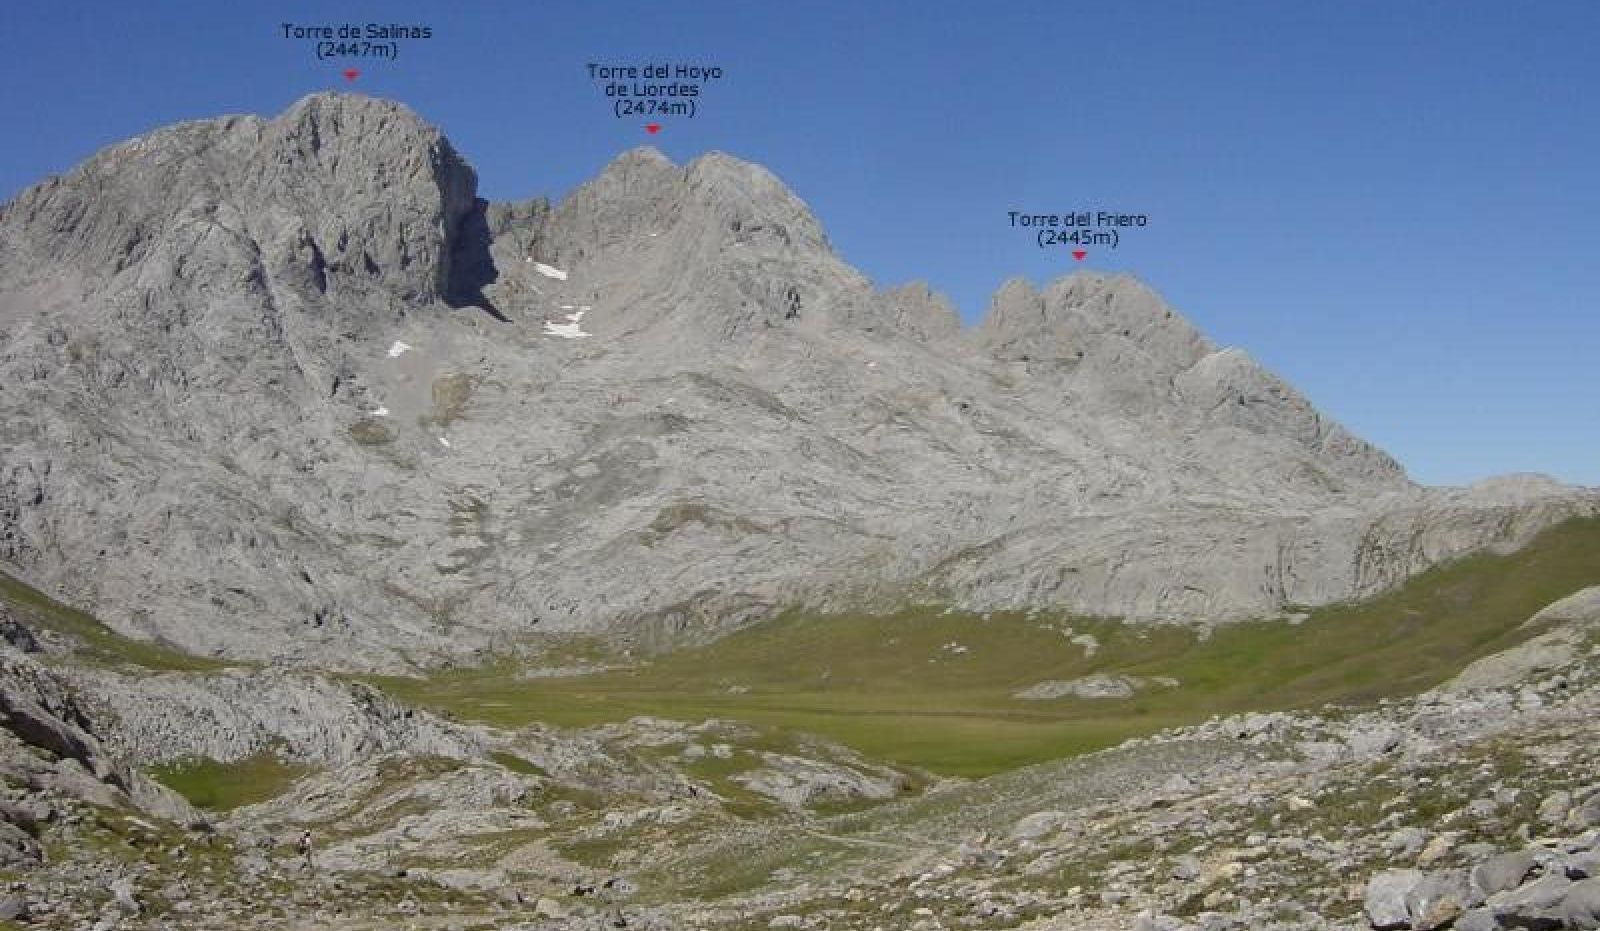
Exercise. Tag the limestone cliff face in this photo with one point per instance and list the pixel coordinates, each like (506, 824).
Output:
(286, 388)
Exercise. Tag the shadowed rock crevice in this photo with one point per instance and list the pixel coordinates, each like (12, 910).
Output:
(471, 267)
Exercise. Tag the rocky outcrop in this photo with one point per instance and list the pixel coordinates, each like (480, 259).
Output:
(1552, 884)
(1094, 685)
(239, 713)
(1572, 622)
(48, 746)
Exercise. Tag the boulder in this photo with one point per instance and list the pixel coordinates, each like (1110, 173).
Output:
(14, 908)
(1586, 814)
(18, 849)
(1437, 899)
(1501, 872)
(1386, 898)
(1580, 907)
(1038, 824)
(122, 893)
(1584, 865)
(1374, 742)
(1554, 808)
(1534, 906)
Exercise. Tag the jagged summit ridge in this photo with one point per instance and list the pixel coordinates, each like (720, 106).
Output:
(346, 189)
(287, 388)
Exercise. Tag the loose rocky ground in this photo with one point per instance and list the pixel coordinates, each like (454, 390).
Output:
(1475, 805)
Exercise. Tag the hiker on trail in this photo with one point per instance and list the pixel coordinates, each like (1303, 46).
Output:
(304, 846)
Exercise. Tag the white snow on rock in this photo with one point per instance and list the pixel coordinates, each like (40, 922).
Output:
(573, 329)
(399, 348)
(444, 442)
(549, 271)
(381, 412)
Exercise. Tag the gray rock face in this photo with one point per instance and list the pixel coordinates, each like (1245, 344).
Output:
(797, 782)
(1581, 906)
(235, 714)
(1533, 905)
(284, 388)
(1038, 824)
(1437, 900)
(1386, 898)
(1502, 872)
(48, 742)
(1587, 814)
(1573, 618)
(1095, 685)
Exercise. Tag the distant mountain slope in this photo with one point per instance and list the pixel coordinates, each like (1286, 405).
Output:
(286, 388)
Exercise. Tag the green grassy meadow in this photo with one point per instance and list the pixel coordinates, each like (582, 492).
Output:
(899, 688)
(225, 786)
(96, 642)
(895, 688)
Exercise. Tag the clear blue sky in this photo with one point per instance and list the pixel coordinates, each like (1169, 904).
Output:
(1392, 204)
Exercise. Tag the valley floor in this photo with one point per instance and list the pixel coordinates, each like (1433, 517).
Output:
(1443, 772)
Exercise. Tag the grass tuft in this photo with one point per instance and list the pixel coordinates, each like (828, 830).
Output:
(98, 643)
(225, 786)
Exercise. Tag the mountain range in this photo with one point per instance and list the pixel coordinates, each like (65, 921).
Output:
(288, 389)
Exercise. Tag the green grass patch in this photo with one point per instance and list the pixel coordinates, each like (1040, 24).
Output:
(899, 687)
(98, 643)
(371, 433)
(226, 786)
(517, 764)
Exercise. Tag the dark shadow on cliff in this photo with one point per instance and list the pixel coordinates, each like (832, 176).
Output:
(471, 265)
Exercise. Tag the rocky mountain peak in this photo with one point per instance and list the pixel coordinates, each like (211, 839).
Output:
(715, 251)
(918, 312)
(752, 201)
(340, 190)
(1085, 315)
(641, 190)
(378, 194)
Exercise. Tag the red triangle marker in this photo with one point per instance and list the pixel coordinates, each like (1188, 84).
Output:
(1079, 254)
(652, 128)
(350, 74)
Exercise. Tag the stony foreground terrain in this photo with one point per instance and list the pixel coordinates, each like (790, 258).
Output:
(1474, 805)
(286, 389)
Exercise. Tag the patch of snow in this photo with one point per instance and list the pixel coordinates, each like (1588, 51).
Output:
(399, 348)
(444, 442)
(381, 412)
(573, 329)
(564, 330)
(549, 271)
